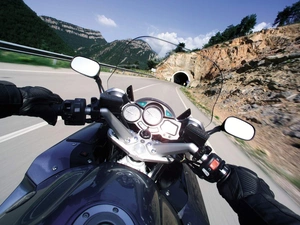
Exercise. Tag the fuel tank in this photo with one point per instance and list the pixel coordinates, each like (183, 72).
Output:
(107, 194)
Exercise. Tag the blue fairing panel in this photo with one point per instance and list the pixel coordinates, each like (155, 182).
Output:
(58, 158)
(63, 198)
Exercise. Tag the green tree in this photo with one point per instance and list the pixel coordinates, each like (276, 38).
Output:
(289, 15)
(231, 32)
(151, 64)
(228, 33)
(19, 24)
(246, 25)
(180, 47)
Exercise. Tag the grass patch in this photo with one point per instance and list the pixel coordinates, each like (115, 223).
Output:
(241, 142)
(294, 180)
(194, 101)
(260, 152)
(132, 72)
(19, 58)
(105, 69)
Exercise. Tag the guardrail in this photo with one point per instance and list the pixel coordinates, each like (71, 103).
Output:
(12, 47)
(8, 46)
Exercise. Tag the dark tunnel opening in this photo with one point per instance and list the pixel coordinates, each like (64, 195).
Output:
(181, 78)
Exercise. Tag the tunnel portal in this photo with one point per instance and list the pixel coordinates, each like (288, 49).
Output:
(181, 78)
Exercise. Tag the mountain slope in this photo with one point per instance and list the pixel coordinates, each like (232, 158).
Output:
(76, 37)
(91, 44)
(19, 24)
(125, 53)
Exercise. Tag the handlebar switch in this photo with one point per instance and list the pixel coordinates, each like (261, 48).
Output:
(212, 169)
(206, 150)
(73, 111)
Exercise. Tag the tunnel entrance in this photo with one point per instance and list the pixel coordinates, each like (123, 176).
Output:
(181, 78)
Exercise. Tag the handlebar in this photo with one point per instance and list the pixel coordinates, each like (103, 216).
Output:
(206, 165)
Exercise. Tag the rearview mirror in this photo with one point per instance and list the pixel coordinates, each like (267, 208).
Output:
(238, 128)
(85, 66)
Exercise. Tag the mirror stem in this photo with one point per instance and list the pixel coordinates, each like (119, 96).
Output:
(215, 130)
(99, 83)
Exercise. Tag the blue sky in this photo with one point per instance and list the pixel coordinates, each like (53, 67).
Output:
(191, 21)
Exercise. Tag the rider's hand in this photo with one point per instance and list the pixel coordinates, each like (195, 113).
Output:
(240, 184)
(209, 169)
(39, 102)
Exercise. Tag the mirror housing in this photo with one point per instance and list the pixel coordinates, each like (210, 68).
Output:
(238, 128)
(85, 66)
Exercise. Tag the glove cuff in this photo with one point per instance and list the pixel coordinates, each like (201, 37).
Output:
(10, 99)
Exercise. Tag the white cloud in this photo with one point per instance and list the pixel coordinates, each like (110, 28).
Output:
(106, 21)
(261, 26)
(190, 43)
(161, 47)
(199, 41)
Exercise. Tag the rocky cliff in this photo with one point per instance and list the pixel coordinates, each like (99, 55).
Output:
(76, 37)
(261, 84)
(71, 28)
(92, 44)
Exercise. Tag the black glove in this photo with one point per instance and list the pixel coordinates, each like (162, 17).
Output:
(240, 184)
(39, 102)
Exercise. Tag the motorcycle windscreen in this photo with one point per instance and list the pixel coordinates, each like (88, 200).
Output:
(108, 194)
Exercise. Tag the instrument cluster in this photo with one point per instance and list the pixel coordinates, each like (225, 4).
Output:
(152, 115)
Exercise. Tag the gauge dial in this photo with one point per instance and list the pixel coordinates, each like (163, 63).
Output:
(152, 115)
(131, 113)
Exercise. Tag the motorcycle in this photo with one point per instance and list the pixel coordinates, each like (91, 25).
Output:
(123, 167)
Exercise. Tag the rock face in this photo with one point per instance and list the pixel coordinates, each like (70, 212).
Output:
(78, 38)
(91, 44)
(261, 48)
(71, 28)
(261, 84)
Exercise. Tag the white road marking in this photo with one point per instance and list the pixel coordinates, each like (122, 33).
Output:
(181, 98)
(207, 142)
(22, 131)
(35, 71)
(145, 87)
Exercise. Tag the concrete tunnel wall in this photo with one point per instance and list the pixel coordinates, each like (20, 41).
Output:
(182, 78)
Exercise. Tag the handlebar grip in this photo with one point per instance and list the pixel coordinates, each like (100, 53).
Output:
(224, 173)
(196, 135)
(58, 109)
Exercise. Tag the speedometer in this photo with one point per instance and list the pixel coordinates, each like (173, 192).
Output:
(131, 113)
(152, 115)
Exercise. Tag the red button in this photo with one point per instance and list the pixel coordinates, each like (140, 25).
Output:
(214, 164)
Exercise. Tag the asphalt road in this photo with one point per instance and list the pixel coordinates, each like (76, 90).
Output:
(24, 138)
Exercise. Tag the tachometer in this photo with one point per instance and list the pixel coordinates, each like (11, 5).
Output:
(131, 113)
(152, 115)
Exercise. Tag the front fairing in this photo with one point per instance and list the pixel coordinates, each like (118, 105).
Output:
(110, 189)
